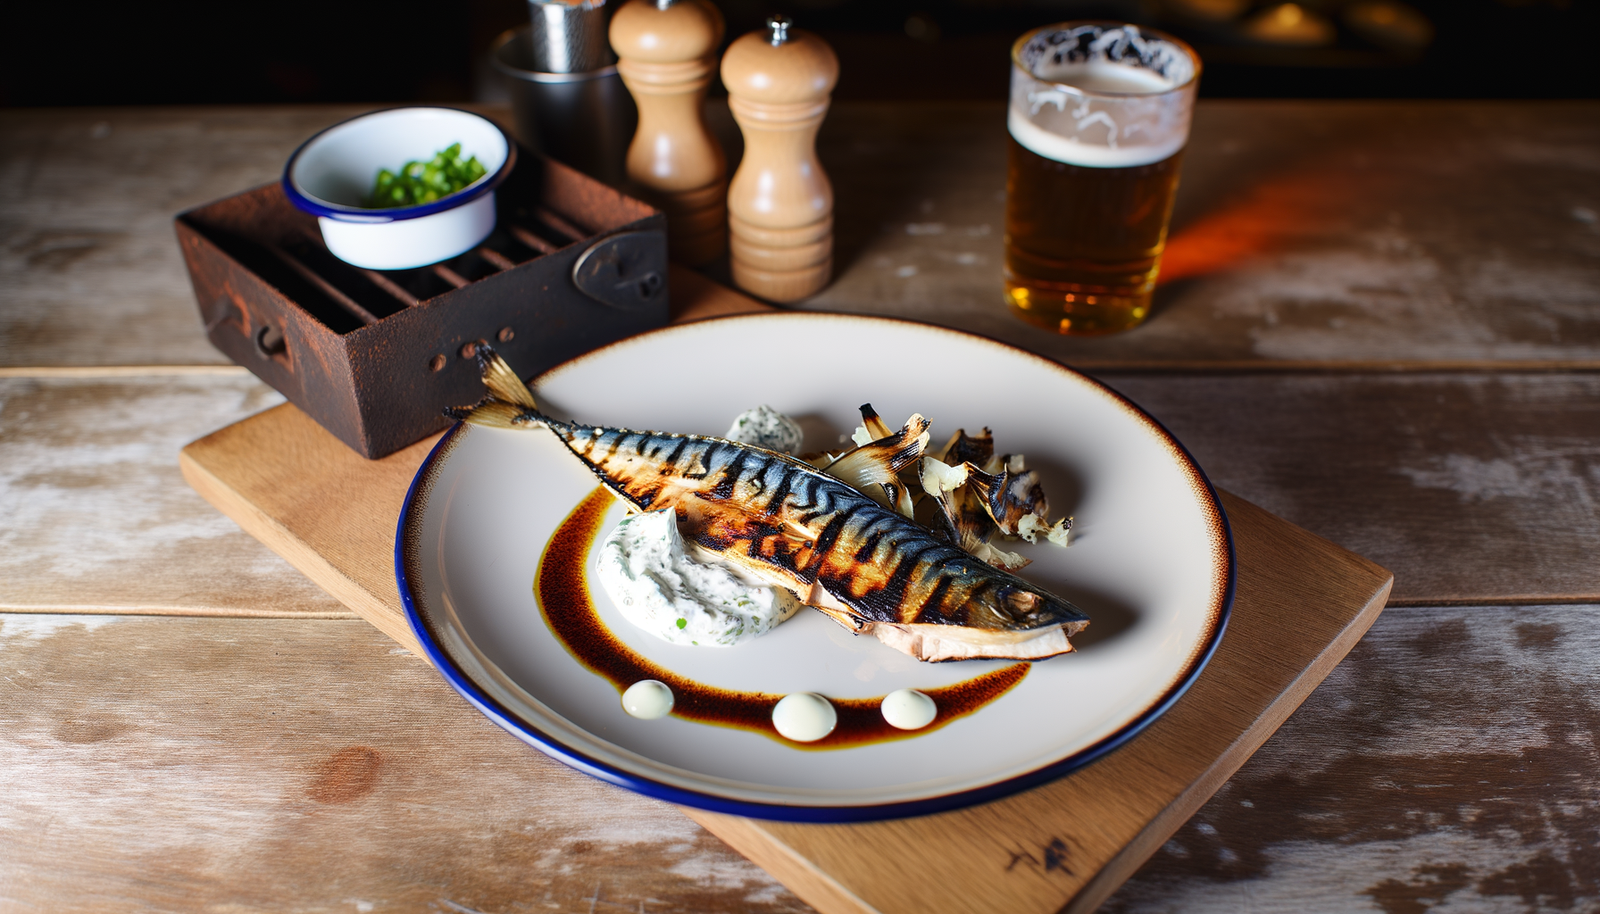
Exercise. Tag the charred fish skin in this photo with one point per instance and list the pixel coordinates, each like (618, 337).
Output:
(790, 524)
(753, 502)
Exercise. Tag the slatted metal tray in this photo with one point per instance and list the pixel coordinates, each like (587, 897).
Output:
(375, 356)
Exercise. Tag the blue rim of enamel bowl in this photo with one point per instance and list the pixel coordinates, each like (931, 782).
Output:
(316, 206)
(611, 774)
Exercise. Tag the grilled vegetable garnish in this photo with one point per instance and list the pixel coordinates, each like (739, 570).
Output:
(874, 466)
(782, 521)
(980, 495)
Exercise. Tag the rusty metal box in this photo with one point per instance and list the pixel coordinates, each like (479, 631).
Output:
(376, 356)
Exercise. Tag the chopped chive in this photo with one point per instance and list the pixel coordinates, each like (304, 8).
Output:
(424, 182)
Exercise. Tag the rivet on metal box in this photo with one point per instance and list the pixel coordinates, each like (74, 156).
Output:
(375, 355)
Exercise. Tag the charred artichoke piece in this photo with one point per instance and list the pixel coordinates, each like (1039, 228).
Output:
(968, 521)
(874, 433)
(874, 468)
(977, 494)
(1011, 495)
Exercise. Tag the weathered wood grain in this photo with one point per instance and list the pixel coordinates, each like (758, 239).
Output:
(96, 515)
(289, 483)
(1470, 487)
(1447, 765)
(1327, 232)
(89, 269)
(186, 764)
(1305, 231)
(286, 765)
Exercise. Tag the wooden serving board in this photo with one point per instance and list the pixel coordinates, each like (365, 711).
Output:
(1302, 603)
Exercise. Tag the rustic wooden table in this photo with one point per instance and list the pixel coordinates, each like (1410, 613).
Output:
(1379, 320)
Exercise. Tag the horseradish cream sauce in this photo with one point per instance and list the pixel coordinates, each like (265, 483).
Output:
(648, 699)
(662, 590)
(657, 587)
(804, 717)
(768, 428)
(908, 709)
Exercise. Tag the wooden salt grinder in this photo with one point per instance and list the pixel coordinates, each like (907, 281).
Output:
(780, 204)
(666, 53)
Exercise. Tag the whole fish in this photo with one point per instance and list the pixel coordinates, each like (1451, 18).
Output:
(785, 523)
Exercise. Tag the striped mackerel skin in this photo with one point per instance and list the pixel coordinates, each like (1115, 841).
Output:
(780, 516)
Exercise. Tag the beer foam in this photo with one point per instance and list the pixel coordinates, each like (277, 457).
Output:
(1102, 96)
(1042, 142)
(1105, 78)
(1047, 53)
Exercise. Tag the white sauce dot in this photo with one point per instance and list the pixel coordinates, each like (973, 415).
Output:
(804, 717)
(647, 699)
(908, 709)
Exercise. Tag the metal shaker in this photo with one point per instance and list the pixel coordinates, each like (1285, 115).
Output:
(567, 100)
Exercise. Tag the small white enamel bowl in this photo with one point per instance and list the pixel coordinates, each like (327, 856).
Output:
(331, 174)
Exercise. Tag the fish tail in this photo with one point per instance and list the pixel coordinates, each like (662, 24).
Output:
(510, 403)
(502, 382)
(493, 413)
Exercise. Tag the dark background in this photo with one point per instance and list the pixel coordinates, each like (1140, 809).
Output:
(305, 51)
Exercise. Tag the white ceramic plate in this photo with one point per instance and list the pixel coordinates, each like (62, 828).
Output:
(1151, 562)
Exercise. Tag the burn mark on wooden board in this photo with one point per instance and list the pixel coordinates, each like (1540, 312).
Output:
(267, 764)
(1446, 763)
(1538, 636)
(1051, 856)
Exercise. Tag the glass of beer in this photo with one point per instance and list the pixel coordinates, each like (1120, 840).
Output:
(1098, 119)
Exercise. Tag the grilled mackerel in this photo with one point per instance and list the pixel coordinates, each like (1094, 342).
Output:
(780, 521)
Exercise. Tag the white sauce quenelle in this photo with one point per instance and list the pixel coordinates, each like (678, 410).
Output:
(804, 717)
(908, 709)
(643, 568)
(768, 428)
(648, 699)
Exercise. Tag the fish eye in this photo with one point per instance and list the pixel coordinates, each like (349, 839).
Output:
(1022, 601)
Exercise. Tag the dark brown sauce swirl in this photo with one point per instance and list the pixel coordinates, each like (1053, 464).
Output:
(562, 582)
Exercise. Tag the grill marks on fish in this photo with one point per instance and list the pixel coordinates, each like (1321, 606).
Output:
(788, 524)
(755, 506)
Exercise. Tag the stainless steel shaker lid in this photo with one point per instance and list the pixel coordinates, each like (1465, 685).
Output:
(569, 36)
(778, 29)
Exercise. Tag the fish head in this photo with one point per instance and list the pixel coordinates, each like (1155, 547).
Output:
(1016, 607)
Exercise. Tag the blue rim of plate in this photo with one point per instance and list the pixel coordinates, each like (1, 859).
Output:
(357, 214)
(781, 812)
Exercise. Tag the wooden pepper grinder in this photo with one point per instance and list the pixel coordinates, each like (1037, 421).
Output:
(780, 204)
(666, 53)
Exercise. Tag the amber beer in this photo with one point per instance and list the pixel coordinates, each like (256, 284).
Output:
(1091, 177)
(1083, 245)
